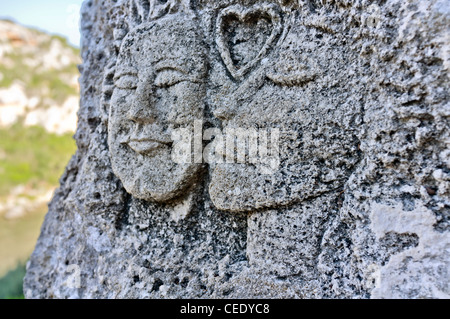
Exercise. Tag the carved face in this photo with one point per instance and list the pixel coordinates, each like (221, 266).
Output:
(301, 89)
(158, 88)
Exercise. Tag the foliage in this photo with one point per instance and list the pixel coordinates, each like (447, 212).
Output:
(32, 156)
(38, 81)
(11, 283)
(25, 65)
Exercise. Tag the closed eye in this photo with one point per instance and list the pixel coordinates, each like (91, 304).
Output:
(127, 82)
(169, 77)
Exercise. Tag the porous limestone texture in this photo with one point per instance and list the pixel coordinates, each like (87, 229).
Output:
(351, 199)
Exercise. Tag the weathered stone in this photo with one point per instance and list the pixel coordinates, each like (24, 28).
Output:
(350, 199)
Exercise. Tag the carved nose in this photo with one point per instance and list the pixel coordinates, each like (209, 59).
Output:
(142, 109)
(141, 113)
(224, 113)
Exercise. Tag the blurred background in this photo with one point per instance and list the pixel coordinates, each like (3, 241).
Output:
(39, 98)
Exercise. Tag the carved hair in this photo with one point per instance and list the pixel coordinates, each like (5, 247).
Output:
(147, 10)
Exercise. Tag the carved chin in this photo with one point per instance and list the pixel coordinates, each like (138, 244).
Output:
(142, 189)
(148, 172)
(161, 186)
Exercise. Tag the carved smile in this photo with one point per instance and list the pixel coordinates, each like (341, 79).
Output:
(146, 146)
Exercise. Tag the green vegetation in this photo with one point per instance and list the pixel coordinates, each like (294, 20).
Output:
(32, 156)
(46, 83)
(11, 283)
(31, 159)
(26, 63)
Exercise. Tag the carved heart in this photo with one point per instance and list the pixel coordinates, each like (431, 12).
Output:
(245, 16)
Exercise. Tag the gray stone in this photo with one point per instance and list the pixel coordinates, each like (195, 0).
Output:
(158, 84)
(324, 166)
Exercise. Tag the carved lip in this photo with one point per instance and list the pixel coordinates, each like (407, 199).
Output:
(146, 146)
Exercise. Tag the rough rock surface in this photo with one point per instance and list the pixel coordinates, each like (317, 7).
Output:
(356, 204)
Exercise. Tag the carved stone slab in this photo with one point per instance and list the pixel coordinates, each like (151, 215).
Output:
(244, 148)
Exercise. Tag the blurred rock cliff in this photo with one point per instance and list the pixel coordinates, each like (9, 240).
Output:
(38, 79)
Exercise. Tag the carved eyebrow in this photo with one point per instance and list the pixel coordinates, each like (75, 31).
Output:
(190, 77)
(123, 72)
(164, 66)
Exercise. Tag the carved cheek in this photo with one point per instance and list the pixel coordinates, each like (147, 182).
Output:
(193, 97)
(120, 103)
(187, 103)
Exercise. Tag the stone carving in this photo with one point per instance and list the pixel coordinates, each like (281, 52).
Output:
(151, 95)
(350, 97)
(145, 10)
(276, 95)
(241, 21)
(158, 85)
